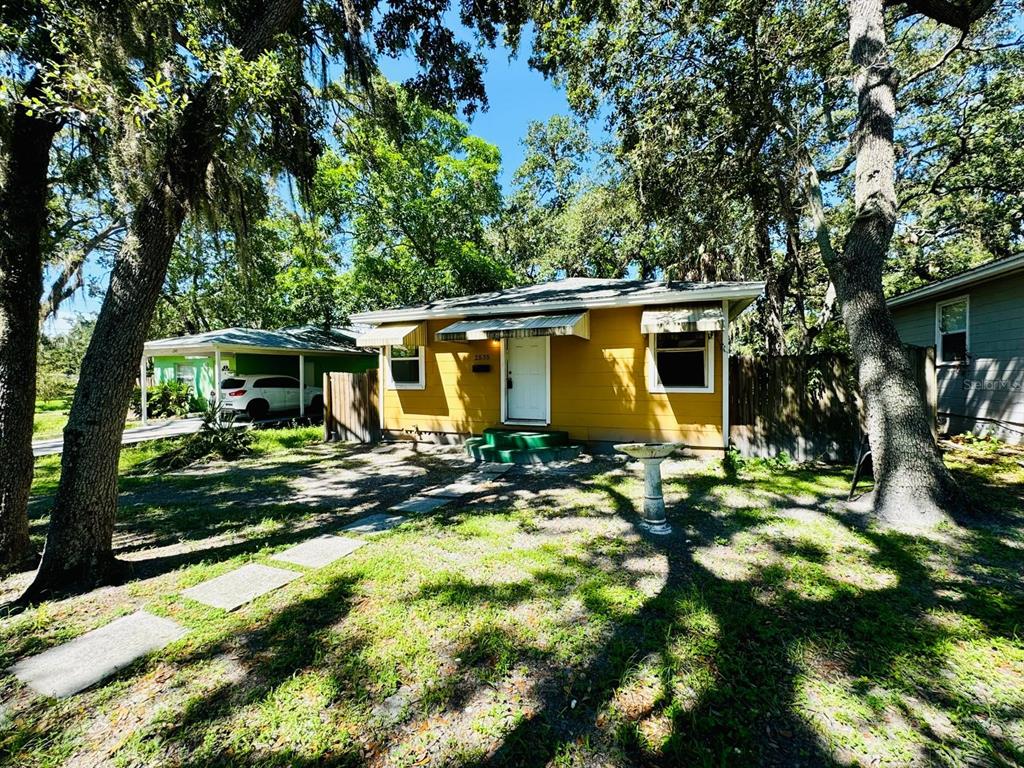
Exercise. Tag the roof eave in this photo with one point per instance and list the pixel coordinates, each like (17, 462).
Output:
(746, 291)
(971, 277)
(212, 347)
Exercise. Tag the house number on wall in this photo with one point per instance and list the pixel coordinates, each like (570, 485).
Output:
(481, 357)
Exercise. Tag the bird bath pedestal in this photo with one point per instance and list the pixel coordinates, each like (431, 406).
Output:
(651, 454)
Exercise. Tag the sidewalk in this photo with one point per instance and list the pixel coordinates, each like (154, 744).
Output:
(152, 431)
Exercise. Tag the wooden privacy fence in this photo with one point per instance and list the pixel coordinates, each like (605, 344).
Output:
(806, 405)
(351, 407)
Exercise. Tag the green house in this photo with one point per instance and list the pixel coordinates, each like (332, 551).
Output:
(306, 353)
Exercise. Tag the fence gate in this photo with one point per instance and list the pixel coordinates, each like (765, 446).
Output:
(350, 407)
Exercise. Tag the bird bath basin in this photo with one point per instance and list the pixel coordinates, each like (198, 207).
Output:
(651, 454)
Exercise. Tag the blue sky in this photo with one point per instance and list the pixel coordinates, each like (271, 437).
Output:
(517, 95)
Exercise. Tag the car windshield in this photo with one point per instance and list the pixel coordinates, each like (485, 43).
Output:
(232, 383)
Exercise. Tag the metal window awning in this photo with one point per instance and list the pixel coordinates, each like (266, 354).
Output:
(576, 324)
(394, 335)
(694, 317)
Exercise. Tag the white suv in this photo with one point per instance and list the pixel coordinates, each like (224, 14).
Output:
(260, 394)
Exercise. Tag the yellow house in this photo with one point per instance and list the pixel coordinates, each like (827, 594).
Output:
(604, 360)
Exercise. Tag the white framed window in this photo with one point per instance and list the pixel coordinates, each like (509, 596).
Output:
(681, 362)
(405, 367)
(185, 373)
(952, 334)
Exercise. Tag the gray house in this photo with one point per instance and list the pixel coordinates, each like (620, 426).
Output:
(975, 321)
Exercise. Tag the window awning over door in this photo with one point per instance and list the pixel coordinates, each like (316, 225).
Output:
(394, 335)
(692, 317)
(576, 324)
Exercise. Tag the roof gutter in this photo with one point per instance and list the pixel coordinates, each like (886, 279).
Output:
(978, 274)
(748, 291)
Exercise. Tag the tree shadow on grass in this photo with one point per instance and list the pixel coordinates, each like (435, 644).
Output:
(740, 655)
(754, 709)
(296, 641)
(178, 512)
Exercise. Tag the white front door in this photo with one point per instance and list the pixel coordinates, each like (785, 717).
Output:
(526, 379)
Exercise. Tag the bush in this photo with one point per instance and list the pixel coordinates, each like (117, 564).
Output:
(218, 438)
(172, 398)
(52, 385)
(732, 462)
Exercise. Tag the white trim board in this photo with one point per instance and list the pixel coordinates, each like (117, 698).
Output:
(726, 347)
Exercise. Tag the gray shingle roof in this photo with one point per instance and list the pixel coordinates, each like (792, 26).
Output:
(301, 339)
(571, 293)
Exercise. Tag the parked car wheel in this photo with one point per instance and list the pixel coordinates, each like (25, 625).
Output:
(258, 409)
(316, 406)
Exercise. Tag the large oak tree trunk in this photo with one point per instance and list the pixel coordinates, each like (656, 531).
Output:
(25, 159)
(913, 487)
(79, 545)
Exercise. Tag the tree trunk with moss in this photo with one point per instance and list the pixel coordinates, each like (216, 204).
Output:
(25, 165)
(79, 546)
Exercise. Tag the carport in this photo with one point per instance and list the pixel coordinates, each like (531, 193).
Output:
(203, 357)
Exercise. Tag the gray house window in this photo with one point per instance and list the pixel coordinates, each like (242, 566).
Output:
(951, 330)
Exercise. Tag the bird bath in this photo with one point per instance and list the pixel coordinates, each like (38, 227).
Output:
(651, 454)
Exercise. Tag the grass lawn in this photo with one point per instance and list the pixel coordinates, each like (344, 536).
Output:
(532, 625)
(51, 417)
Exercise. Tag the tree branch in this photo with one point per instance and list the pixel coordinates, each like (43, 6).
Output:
(812, 189)
(959, 14)
(70, 278)
(958, 45)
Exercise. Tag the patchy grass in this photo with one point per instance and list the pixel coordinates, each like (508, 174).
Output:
(47, 468)
(535, 626)
(269, 441)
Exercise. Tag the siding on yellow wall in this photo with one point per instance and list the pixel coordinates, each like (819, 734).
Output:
(598, 389)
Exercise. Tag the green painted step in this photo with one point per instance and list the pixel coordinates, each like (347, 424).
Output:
(478, 448)
(519, 439)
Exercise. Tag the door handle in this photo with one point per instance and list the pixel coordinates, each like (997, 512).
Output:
(508, 383)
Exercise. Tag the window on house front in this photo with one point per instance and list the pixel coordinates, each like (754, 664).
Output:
(681, 361)
(406, 367)
(952, 331)
(185, 373)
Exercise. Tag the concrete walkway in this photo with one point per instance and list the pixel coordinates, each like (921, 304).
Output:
(152, 431)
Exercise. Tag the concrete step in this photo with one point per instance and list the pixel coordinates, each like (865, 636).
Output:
(480, 451)
(522, 439)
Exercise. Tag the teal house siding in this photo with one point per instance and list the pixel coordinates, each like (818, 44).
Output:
(197, 371)
(985, 395)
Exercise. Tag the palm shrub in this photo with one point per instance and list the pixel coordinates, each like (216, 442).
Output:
(217, 438)
(170, 398)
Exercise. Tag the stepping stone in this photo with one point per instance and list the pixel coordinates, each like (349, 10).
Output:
(479, 479)
(494, 469)
(318, 552)
(373, 524)
(86, 660)
(457, 489)
(420, 504)
(238, 587)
